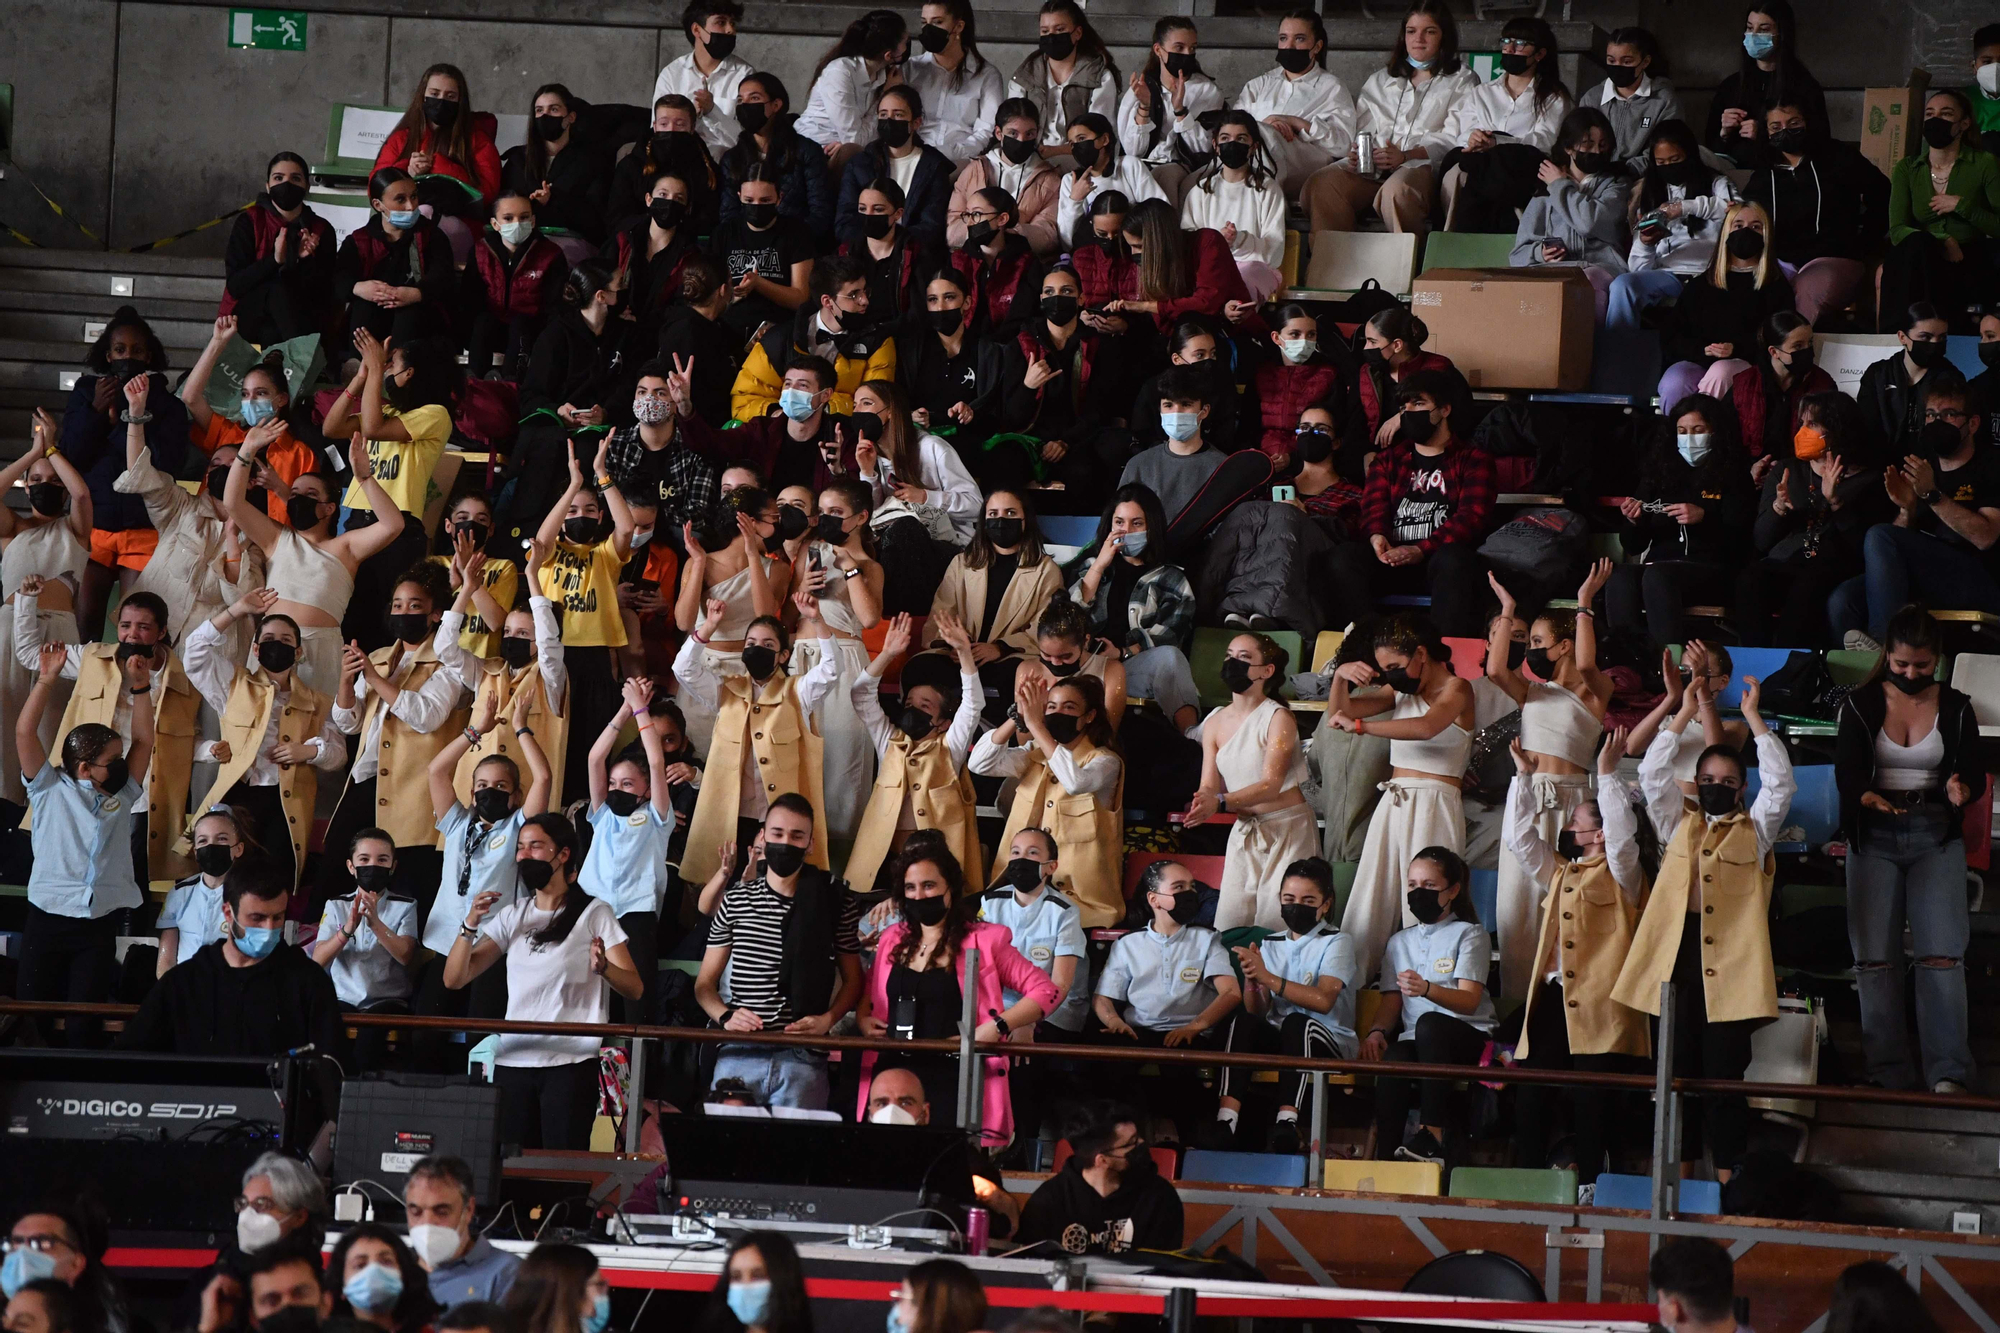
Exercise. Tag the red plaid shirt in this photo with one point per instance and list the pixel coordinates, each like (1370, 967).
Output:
(1467, 483)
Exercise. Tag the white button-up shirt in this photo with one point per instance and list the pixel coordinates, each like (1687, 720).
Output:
(841, 107)
(1492, 108)
(959, 108)
(1411, 115)
(717, 126)
(424, 709)
(1315, 96)
(1129, 176)
(1103, 101)
(205, 658)
(1202, 95)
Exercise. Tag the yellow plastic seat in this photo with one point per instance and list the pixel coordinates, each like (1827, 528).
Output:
(1425, 1178)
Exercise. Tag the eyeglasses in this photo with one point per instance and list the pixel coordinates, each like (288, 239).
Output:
(40, 1244)
(1518, 44)
(266, 1206)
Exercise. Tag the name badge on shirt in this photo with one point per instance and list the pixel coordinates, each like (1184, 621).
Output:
(1191, 975)
(637, 819)
(111, 805)
(496, 842)
(1444, 964)
(1311, 979)
(1041, 954)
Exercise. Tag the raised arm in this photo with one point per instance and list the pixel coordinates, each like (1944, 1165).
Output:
(1642, 735)
(388, 524)
(691, 666)
(622, 523)
(600, 749)
(694, 581)
(28, 724)
(1518, 833)
(765, 591)
(541, 778)
(139, 749)
(374, 366)
(1499, 643)
(1774, 769)
(1586, 620)
(1621, 825)
(1449, 708)
(443, 771)
(255, 522)
(551, 529)
(471, 956)
(194, 389)
(45, 431)
(638, 696)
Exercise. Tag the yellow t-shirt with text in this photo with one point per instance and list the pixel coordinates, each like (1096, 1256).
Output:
(403, 467)
(503, 580)
(583, 581)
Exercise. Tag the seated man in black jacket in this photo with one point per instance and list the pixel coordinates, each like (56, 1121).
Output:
(1109, 1197)
(247, 994)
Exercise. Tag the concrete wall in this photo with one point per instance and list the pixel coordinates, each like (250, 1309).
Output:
(141, 121)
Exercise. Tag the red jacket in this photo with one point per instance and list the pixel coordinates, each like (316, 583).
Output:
(1217, 281)
(1467, 474)
(265, 224)
(1753, 414)
(1104, 277)
(519, 293)
(1371, 406)
(1284, 391)
(482, 174)
(996, 294)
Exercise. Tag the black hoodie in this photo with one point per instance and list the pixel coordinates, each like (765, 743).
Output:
(206, 1007)
(1066, 1200)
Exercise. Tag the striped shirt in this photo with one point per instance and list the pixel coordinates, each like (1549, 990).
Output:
(750, 923)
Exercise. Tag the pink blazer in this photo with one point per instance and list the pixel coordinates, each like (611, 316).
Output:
(1001, 966)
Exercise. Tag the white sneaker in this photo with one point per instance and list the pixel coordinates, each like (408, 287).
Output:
(1586, 1195)
(1857, 641)
(1948, 1087)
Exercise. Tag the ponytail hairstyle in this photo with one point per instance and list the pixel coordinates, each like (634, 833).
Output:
(1099, 732)
(776, 627)
(84, 742)
(1912, 627)
(1274, 654)
(872, 36)
(536, 150)
(1150, 75)
(1108, 203)
(1401, 325)
(1406, 634)
(973, 63)
(563, 834)
(1066, 620)
(1453, 867)
(1312, 19)
(1548, 77)
(585, 281)
(1262, 169)
(861, 499)
(1088, 43)
(239, 820)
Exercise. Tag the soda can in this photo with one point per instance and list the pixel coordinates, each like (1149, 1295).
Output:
(1364, 154)
(978, 1226)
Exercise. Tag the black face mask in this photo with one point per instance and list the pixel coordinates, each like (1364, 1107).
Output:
(373, 878)
(1180, 64)
(1537, 660)
(411, 627)
(216, 481)
(877, 226)
(550, 128)
(946, 322)
(441, 112)
(783, 859)
(1989, 355)
(1059, 310)
(287, 195)
(1299, 917)
(1792, 140)
(116, 774)
(1017, 151)
(1567, 846)
(126, 650)
(1938, 439)
(1058, 45)
(760, 216)
(581, 530)
(926, 911)
(1715, 798)
(869, 425)
(214, 860)
(479, 532)
(1590, 163)
(1911, 684)
(1744, 243)
(535, 874)
(1085, 153)
(1022, 875)
(978, 234)
(1800, 363)
(1415, 428)
(1927, 354)
(760, 660)
(622, 803)
(828, 528)
(933, 38)
(1005, 531)
(721, 45)
(1185, 906)
(1426, 905)
(1398, 679)
(753, 116)
(792, 522)
(125, 368)
(915, 723)
(291, 1319)
(1236, 675)
(1063, 727)
(1622, 76)
(302, 512)
(1294, 59)
(892, 133)
(1235, 154)
(774, 544)
(1062, 670)
(1939, 132)
(48, 498)
(516, 652)
(674, 145)
(492, 804)
(1675, 173)
(1517, 653)
(1513, 62)
(667, 213)
(1315, 446)
(276, 655)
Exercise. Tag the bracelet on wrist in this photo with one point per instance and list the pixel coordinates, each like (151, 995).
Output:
(141, 689)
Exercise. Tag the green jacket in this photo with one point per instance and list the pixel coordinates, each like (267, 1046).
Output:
(1975, 180)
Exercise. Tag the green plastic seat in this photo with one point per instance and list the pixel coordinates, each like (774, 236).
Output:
(1467, 249)
(1848, 666)
(1211, 646)
(1514, 1185)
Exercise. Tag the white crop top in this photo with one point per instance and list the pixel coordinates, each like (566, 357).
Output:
(1444, 754)
(1555, 722)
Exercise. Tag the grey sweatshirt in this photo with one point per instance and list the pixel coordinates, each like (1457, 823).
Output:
(1587, 219)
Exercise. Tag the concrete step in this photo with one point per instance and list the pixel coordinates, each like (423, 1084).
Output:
(194, 306)
(110, 262)
(117, 286)
(179, 335)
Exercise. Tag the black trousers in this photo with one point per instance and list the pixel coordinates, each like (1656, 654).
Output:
(70, 958)
(1440, 1040)
(1650, 597)
(547, 1106)
(1534, 1103)
(368, 1052)
(1453, 577)
(1178, 1093)
(417, 868)
(511, 339)
(486, 997)
(593, 698)
(1916, 269)
(1298, 1035)
(1708, 1050)
(642, 939)
(270, 825)
(1782, 604)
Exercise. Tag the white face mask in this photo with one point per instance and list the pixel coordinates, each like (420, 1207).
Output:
(435, 1245)
(1298, 349)
(1693, 446)
(255, 1230)
(892, 1114)
(640, 536)
(1989, 79)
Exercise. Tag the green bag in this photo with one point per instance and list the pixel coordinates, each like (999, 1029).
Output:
(303, 360)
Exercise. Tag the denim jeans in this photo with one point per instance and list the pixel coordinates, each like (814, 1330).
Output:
(778, 1076)
(1902, 566)
(1162, 674)
(1633, 293)
(1902, 867)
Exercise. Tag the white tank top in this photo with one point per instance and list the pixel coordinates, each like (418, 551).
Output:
(1443, 754)
(1555, 722)
(1240, 760)
(1908, 767)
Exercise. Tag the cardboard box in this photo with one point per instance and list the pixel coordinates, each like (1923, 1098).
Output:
(1511, 328)
(1890, 118)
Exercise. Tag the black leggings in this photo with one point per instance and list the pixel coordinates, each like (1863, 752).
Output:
(1440, 1040)
(511, 339)
(70, 958)
(1782, 604)
(1178, 1091)
(1453, 577)
(486, 997)
(1652, 597)
(547, 1106)
(642, 940)
(1298, 1035)
(1708, 1050)
(1534, 1103)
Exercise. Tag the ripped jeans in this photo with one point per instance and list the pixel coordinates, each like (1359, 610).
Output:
(1905, 868)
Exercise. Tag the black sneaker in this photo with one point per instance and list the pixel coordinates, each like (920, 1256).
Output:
(1286, 1139)
(1218, 1136)
(1423, 1148)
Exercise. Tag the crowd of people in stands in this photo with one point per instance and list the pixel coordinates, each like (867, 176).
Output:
(710, 664)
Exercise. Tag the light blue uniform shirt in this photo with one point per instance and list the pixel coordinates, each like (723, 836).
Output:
(195, 910)
(364, 972)
(627, 865)
(1166, 979)
(1320, 952)
(1046, 929)
(83, 846)
(1445, 952)
(492, 872)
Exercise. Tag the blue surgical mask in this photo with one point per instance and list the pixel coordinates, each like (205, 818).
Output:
(750, 1302)
(256, 411)
(1759, 45)
(1180, 426)
(1693, 447)
(599, 1317)
(516, 232)
(258, 941)
(375, 1288)
(404, 218)
(893, 1324)
(1133, 544)
(24, 1266)
(1415, 63)
(796, 404)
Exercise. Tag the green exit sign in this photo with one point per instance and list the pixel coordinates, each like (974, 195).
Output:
(268, 29)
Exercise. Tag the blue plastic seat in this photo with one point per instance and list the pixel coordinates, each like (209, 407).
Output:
(1278, 1170)
(1758, 662)
(1485, 888)
(1815, 807)
(1067, 529)
(1698, 1198)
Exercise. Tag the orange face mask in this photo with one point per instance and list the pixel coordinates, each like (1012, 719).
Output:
(1808, 444)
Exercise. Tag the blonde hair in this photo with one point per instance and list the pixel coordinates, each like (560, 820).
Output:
(1719, 273)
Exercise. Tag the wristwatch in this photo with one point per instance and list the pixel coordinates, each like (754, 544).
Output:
(1931, 496)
